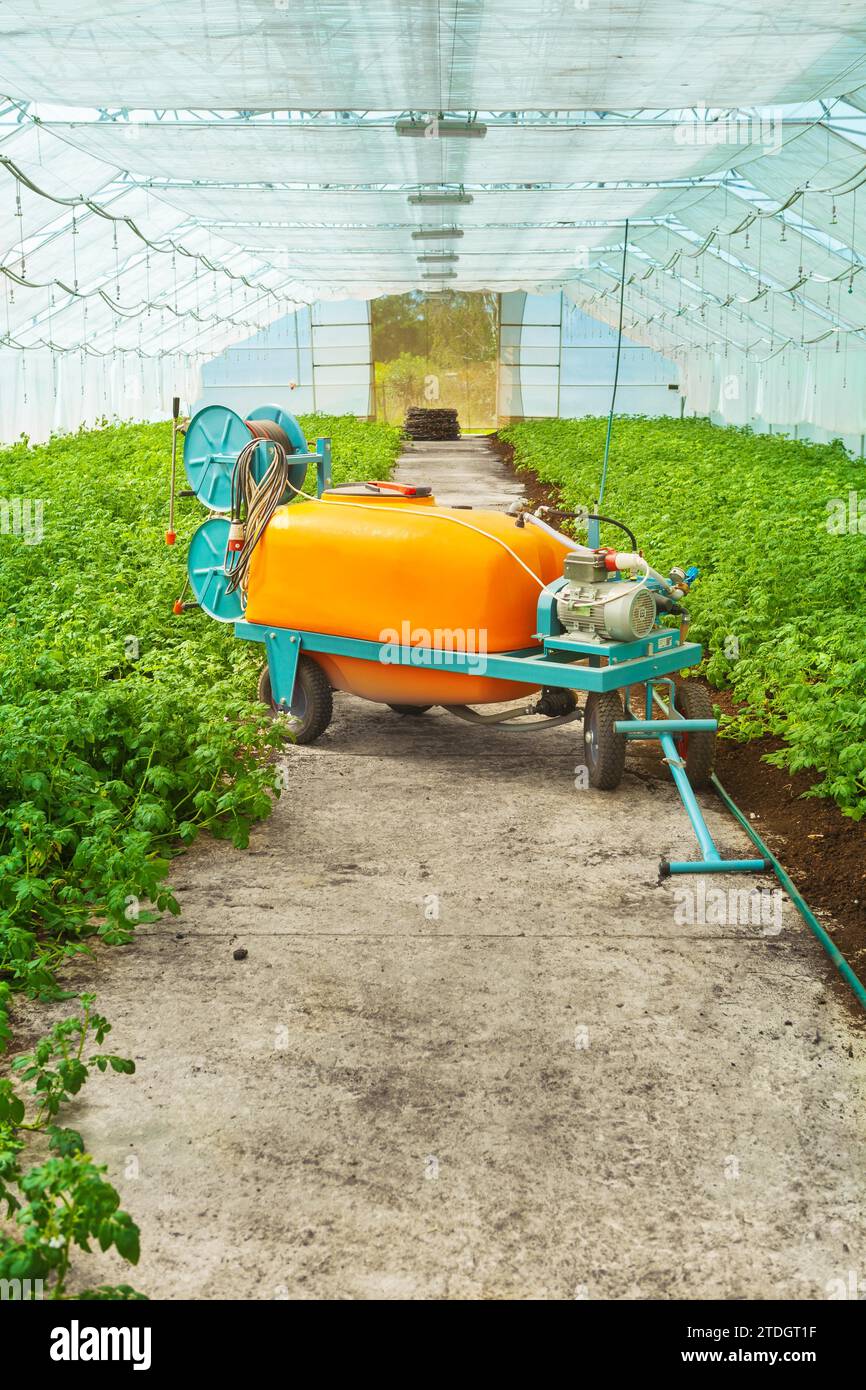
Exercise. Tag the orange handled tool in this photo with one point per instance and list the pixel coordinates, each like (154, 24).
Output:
(404, 489)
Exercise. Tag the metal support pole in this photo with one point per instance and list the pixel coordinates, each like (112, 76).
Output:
(712, 861)
(323, 467)
(615, 374)
(171, 534)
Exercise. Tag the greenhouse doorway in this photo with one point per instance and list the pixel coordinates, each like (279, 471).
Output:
(437, 349)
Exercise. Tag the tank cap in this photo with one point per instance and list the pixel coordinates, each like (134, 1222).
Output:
(388, 492)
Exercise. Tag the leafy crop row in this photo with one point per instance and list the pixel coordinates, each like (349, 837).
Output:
(781, 543)
(124, 729)
(62, 1201)
(124, 726)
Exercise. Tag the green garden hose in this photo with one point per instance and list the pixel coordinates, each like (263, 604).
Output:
(802, 907)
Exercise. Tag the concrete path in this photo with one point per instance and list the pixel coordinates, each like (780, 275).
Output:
(468, 472)
(475, 1051)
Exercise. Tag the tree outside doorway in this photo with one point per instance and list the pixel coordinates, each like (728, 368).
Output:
(436, 349)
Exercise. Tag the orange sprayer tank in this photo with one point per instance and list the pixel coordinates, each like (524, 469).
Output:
(404, 571)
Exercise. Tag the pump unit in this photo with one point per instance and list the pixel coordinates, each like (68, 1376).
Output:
(596, 603)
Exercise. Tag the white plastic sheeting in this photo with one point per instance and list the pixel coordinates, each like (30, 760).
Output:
(95, 322)
(479, 54)
(333, 210)
(244, 161)
(42, 393)
(756, 287)
(824, 388)
(353, 257)
(375, 154)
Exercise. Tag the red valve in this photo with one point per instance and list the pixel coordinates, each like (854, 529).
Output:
(170, 537)
(177, 606)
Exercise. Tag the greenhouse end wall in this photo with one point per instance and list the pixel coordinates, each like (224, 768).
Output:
(315, 359)
(552, 360)
(555, 360)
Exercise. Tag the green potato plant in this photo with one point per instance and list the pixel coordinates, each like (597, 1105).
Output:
(781, 601)
(124, 728)
(62, 1201)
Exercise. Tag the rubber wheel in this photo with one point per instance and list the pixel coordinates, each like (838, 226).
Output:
(604, 748)
(312, 702)
(410, 709)
(697, 750)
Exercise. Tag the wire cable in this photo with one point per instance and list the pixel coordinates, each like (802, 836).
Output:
(615, 370)
(216, 267)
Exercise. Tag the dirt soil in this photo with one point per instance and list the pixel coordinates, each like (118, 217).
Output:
(823, 851)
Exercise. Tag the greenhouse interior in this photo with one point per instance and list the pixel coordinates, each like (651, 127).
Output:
(378, 382)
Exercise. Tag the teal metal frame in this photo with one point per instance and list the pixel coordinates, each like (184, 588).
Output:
(665, 730)
(208, 549)
(557, 661)
(552, 664)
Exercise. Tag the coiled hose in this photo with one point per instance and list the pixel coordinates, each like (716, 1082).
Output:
(253, 502)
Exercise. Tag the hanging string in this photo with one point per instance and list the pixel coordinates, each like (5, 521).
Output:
(19, 213)
(164, 249)
(74, 255)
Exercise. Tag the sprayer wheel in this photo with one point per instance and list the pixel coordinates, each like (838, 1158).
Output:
(410, 709)
(697, 750)
(604, 748)
(312, 702)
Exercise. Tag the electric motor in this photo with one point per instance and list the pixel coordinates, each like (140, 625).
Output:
(597, 605)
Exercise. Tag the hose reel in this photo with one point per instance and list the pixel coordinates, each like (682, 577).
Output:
(216, 436)
(207, 573)
(215, 439)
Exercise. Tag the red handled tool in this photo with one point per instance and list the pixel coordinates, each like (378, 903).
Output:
(171, 534)
(404, 489)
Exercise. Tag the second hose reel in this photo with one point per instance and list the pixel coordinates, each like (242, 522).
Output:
(215, 437)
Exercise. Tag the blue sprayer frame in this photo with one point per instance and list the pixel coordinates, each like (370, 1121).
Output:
(630, 666)
(558, 660)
